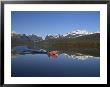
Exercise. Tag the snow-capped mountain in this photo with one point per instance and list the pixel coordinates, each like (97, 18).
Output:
(78, 33)
(25, 37)
(54, 35)
(13, 33)
(72, 34)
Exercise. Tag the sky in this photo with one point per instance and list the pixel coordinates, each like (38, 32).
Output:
(54, 22)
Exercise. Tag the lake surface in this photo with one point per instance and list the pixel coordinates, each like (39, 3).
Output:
(41, 65)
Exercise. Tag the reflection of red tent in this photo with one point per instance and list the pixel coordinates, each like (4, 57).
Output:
(53, 53)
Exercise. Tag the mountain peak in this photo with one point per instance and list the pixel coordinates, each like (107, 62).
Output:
(81, 32)
(75, 33)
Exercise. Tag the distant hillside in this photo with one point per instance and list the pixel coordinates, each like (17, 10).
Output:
(86, 41)
(23, 39)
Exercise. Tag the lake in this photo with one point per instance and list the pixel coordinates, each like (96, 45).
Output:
(65, 65)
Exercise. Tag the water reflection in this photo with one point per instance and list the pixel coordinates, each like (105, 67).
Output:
(15, 55)
(55, 64)
(74, 56)
(80, 56)
(53, 56)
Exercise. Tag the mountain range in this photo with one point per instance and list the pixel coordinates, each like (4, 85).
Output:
(72, 34)
(76, 38)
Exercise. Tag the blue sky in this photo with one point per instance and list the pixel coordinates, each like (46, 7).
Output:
(54, 22)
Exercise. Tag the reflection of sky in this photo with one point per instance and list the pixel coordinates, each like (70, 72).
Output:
(41, 65)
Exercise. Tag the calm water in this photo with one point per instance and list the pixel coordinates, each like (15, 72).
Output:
(40, 65)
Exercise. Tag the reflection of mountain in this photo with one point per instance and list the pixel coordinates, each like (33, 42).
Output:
(85, 51)
(80, 57)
